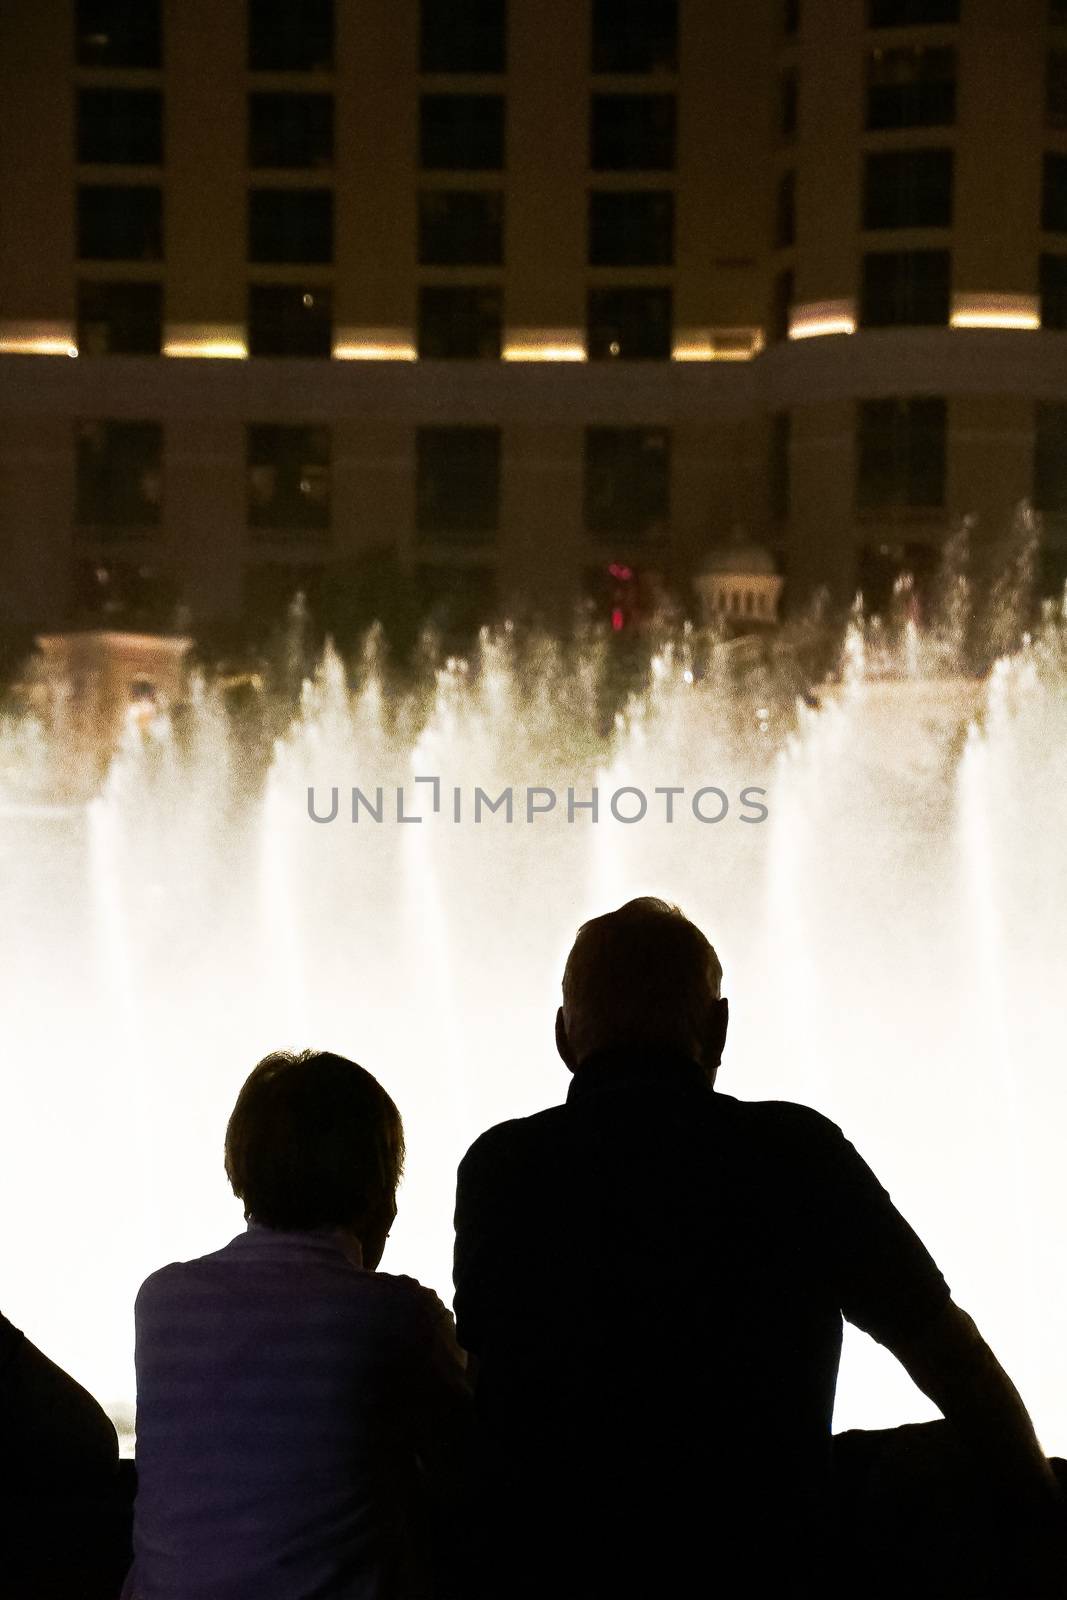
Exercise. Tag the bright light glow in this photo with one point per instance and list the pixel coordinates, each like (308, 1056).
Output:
(198, 918)
(821, 317)
(1019, 311)
(365, 351)
(545, 344)
(374, 344)
(37, 339)
(205, 342)
(718, 344)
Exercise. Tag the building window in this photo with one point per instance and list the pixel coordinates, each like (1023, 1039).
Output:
(455, 600)
(461, 132)
(627, 483)
(271, 587)
(1057, 11)
(911, 13)
(908, 189)
(120, 319)
(284, 37)
(459, 323)
(629, 324)
(882, 566)
(1054, 291)
(788, 103)
(290, 225)
(120, 477)
(908, 87)
(634, 229)
(288, 479)
(289, 320)
(790, 18)
(463, 36)
(120, 223)
(118, 33)
(121, 126)
(461, 227)
(903, 288)
(1050, 457)
(457, 484)
(781, 441)
(901, 454)
(1056, 89)
(1054, 195)
(133, 592)
(785, 211)
(290, 130)
(781, 305)
(632, 133)
(635, 35)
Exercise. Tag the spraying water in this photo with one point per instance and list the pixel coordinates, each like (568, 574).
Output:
(889, 927)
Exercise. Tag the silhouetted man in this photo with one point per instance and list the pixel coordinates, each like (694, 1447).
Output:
(650, 1280)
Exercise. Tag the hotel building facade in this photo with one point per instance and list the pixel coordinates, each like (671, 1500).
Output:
(509, 295)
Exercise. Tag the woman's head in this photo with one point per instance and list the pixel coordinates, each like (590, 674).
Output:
(315, 1142)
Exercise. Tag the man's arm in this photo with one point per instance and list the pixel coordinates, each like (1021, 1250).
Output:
(952, 1364)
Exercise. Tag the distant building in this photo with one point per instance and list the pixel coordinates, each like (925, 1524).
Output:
(521, 292)
(739, 585)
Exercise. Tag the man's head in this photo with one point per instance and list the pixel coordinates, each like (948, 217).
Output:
(315, 1142)
(642, 977)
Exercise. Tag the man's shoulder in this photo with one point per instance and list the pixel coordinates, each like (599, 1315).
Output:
(507, 1141)
(787, 1119)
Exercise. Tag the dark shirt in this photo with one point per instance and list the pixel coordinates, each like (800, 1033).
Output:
(54, 1437)
(285, 1398)
(652, 1278)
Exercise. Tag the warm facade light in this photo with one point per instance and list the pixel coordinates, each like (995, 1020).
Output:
(544, 344)
(374, 344)
(37, 339)
(205, 342)
(1019, 311)
(718, 344)
(819, 318)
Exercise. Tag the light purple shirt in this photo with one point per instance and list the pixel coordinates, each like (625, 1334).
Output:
(284, 1397)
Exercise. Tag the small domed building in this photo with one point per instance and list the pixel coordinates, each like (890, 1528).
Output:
(738, 584)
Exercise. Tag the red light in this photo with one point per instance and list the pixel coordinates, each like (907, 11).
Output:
(623, 574)
(618, 621)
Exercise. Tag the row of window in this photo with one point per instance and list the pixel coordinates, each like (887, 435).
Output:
(908, 87)
(457, 132)
(464, 322)
(637, 36)
(458, 597)
(901, 461)
(456, 227)
(914, 189)
(899, 288)
(457, 481)
(902, 189)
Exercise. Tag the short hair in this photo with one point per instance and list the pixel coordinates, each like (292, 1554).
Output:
(642, 975)
(314, 1141)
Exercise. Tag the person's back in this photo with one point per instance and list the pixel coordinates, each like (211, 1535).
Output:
(651, 1279)
(289, 1398)
(283, 1395)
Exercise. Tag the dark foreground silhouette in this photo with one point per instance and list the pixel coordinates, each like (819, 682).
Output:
(651, 1280)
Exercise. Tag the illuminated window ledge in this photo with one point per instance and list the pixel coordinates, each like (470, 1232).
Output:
(718, 344)
(37, 339)
(544, 344)
(1019, 311)
(373, 344)
(205, 342)
(820, 318)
